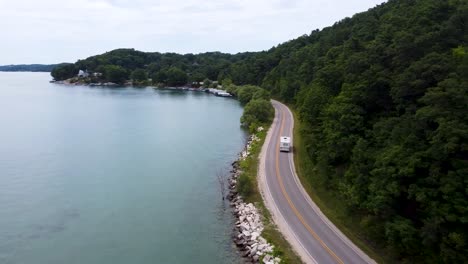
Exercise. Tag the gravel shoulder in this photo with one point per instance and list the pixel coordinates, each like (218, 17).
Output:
(278, 218)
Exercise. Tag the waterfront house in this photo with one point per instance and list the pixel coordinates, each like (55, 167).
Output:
(83, 74)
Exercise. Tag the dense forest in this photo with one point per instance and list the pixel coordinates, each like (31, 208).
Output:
(383, 99)
(170, 69)
(30, 67)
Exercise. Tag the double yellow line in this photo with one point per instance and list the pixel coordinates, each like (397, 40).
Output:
(293, 207)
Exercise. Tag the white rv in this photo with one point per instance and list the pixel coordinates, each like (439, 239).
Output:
(285, 144)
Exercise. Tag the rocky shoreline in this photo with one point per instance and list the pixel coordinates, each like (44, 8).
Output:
(247, 234)
(217, 92)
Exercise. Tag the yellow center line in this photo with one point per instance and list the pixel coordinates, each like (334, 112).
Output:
(296, 212)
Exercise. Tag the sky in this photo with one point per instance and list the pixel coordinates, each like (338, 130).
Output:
(53, 31)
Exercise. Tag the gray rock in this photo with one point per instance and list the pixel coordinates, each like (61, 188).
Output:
(261, 247)
(255, 235)
(239, 242)
(266, 258)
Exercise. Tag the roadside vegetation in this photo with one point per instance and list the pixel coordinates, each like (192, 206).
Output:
(329, 203)
(258, 110)
(257, 117)
(384, 126)
(247, 182)
(248, 189)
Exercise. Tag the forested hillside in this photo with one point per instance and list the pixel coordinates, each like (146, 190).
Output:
(29, 67)
(383, 99)
(167, 68)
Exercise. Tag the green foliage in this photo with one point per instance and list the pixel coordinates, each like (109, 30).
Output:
(245, 185)
(261, 94)
(159, 77)
(115, 74)
(247, 180)
(460, 51)
(232, 89)
(207, 83)
(176, 77)
(245, 93)
(385, 99)
(64, 71)
(139, 75)
(249, 92)
(256, 112)
(170, 77)
(226, 82)
(247, 188)
(210, 65)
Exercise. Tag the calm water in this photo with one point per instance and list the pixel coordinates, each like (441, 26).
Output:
(123, 175)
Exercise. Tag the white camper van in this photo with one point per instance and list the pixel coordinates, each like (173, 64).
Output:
(285, 144)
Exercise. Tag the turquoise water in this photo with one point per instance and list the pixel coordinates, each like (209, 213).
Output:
(113, 175)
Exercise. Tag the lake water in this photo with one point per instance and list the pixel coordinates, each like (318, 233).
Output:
(113, 175)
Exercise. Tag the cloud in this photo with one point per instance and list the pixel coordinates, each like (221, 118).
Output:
(52, 31)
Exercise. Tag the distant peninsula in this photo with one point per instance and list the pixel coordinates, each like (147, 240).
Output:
(30, 67)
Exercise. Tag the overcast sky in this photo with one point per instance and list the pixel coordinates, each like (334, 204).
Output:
(52, 31)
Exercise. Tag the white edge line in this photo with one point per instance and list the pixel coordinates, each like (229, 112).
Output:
(317, 210)
(278, 217)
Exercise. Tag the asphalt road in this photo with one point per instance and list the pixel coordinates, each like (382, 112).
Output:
(317, 239)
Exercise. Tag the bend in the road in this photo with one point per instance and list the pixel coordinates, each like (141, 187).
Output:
(291, 204)
(311, 234)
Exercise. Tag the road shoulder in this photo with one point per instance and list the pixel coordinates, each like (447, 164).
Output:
(314, 206)
(278, 218)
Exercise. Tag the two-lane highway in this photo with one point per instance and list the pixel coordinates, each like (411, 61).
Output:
(311, 234)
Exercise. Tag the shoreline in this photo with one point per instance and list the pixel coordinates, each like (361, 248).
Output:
(248, 224)
(214, 91)
(247, 233)
(277, 217)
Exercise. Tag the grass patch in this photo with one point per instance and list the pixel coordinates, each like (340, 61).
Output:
(344, 219)
(248, 189)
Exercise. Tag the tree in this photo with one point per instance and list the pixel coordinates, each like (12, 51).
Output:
(64, 71)
(197, 77)
(261, 94)
(226, 82)
(176, 77)
(257, 112)
(159, 77)
(244, 94)
(139, 75)
(115, 74)
(207, 82)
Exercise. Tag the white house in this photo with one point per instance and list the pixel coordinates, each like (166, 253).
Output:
(83, 74)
